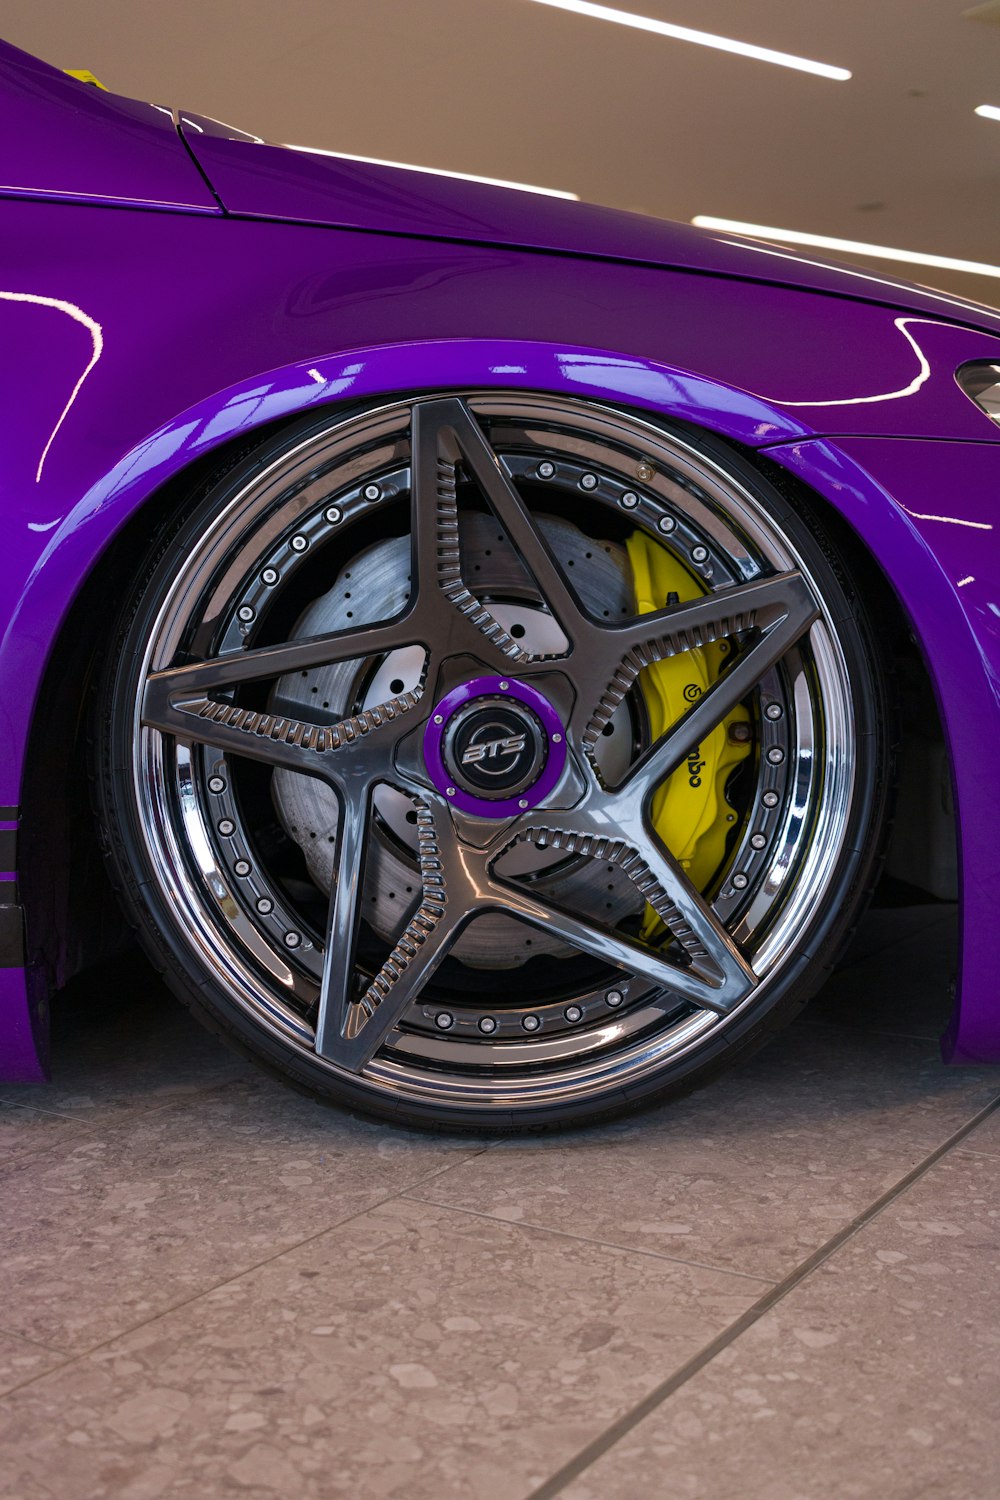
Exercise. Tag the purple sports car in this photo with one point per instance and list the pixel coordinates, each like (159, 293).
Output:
(481, 636)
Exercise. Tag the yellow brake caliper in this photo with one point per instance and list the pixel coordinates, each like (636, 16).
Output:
(690, 812)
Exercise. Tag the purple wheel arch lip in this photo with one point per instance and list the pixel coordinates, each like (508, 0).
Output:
(483, 687)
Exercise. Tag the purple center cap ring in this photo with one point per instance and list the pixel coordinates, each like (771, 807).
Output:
(492, 690)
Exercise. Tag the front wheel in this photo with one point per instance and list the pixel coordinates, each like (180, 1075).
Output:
(494, 760)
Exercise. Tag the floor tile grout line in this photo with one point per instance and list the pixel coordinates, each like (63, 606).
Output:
(218, 1285)
(126, 1115)
(586, 1239)
(629, 1420)
(25, 1338)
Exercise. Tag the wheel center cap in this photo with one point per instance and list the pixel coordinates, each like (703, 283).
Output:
(494, 747)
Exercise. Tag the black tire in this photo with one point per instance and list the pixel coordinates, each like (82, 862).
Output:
(179, 939)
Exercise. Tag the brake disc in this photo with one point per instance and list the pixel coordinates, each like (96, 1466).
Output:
(375, 585)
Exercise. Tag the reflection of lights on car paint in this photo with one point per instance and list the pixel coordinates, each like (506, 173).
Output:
(962, 304)
(907, 390)
(699, 38)
(919, 515)
(849, 247)
(963, 581)
(409, 166)
(97, 338)
(988, 111)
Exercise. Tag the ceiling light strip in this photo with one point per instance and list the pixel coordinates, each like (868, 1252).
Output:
(988, 111)
(408, 166)
(699, 38)
(847, 247)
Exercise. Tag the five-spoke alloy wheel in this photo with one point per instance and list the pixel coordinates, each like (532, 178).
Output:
(492, 760)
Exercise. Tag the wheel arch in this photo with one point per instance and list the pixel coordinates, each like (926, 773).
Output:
(72, 918)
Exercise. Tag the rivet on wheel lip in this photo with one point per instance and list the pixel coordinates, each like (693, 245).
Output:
(531, 1023)
(629, 500)
(588, 481)
(699, 554)
(270, 576)
(758, 841)
(770, 799)
(372, 492)
(292, 939)
(216, 784)
(226, 827)
(776, 755)
(242, 867)
(487, 1025)
(614, 998)
(299, 543)
(773, 711)
(265, 906)
(546, 470)
(667, 524)
(740, 882)
(444, 1020)
(573, 1013)
(333, 514)
(246, 613)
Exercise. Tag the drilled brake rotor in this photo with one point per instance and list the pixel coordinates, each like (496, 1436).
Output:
(375, 585)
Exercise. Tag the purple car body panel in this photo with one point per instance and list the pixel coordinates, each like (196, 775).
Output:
(137, 342)
(66, 139)
(255, 179)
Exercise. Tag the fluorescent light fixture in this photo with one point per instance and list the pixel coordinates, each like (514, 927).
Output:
(988, 111)
(848, 247)
(408, 166)
(700, 38)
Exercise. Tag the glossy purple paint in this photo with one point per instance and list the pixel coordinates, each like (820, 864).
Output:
(67, 139)
(485, 687)
(137, 342)
(936, 508)
(255, 179)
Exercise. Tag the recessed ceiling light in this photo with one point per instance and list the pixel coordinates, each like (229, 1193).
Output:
(848, 247)
(988, 111)
(700, 38)
(409, 166)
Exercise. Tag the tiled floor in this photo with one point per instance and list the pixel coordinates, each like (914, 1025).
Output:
(787, 1287)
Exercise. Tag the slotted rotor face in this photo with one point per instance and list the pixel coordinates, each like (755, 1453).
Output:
(400, 920)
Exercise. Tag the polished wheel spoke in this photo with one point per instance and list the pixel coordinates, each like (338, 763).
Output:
(445, 433)
(352, 1027)
(286, 743)
(717, 972)
(336, 1007)
(199, 679)
(616, 654)
(615, 948)
(775, 640)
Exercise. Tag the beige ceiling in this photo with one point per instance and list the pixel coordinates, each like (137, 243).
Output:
(511, 89)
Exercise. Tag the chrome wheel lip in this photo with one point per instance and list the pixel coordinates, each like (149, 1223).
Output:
(591, 1075)
(469, 693)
